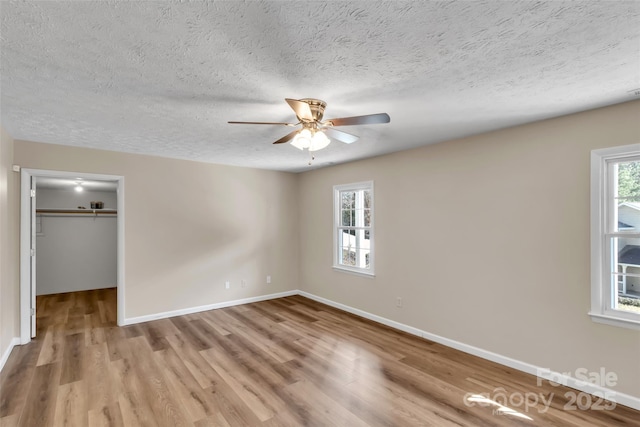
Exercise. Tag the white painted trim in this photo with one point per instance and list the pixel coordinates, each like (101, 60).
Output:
(191, 310)
(603, 227)
(620, 398)
(364, 185)
(396, 325)
(615, 321)
(25, 261)
(5, 356)
(359, 272)
(120, 311)
(25, 230)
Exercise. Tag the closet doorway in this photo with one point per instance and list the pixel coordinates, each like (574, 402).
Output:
(72, 238)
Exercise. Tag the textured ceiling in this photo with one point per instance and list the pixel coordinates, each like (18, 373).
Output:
(163, 78)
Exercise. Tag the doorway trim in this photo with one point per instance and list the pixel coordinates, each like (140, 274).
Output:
(25, 241)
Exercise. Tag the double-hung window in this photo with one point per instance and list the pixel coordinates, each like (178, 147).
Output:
(353, 227)
(615, 236)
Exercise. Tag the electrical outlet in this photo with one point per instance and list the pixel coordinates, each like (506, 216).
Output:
(268, 279)
(243, 283)
(227, 284)
(399, 302)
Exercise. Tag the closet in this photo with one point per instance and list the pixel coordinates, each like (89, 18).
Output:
(75, 243)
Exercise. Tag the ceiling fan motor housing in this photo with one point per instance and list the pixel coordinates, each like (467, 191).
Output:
(317, 108)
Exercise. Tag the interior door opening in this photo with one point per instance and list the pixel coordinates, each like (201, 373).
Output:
(72, 236)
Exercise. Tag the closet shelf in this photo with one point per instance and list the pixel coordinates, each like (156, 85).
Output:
(77, 211)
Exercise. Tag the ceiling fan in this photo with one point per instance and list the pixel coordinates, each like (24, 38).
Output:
(313, 135)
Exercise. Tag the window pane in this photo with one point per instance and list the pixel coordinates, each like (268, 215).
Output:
(627, 202)
(625, 282)
(363, 246)
(355, 248)
(627, 250)
(345, 238)
(367, 198)
(348, 248)
(625, 301)
(357, 218)
(348, 257)
(347, 244)
(348, 199)
(629, 304)
(367, 217)
(628, 217)
(348, 218)
(629, 182)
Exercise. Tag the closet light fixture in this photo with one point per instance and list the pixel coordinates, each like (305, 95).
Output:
(79, 188)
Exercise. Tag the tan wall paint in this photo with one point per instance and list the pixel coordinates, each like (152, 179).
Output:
(9, 238)
(486, 239)
(191, 226)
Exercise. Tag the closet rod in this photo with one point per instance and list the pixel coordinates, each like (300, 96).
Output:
(55, 212)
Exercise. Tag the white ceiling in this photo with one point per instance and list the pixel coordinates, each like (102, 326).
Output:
(163, 78)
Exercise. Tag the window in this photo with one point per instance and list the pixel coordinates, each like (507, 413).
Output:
(615, 236)
(353, 227)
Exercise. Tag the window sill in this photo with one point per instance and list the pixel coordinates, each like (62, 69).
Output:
(362, 273)
(615, 321)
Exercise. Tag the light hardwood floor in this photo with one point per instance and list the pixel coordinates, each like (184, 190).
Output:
(285, 362)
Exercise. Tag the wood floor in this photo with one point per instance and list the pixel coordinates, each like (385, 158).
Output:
(285, 362)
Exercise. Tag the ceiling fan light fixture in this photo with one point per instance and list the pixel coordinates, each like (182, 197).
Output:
(302, 140)
(319, 141)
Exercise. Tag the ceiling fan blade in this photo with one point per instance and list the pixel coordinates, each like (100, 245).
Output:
(347, 138)
(302, 109)
(287, 137)
(263, 123)
(370, 119)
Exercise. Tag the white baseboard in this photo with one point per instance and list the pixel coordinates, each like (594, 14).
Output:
(14, 342)
(191, 310)
(543, 373)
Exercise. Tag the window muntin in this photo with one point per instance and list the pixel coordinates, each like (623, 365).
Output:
(616, 236)
(353, 227)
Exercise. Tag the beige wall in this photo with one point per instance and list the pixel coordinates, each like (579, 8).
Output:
(486, 239)
(9, 269)
(191, 226)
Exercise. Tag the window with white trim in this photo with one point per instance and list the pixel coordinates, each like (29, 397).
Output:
(615, 236)
(353, 227)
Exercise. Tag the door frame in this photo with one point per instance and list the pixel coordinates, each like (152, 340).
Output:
(25, 241)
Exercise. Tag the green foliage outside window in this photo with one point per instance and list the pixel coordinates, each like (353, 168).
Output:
(629, 182)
